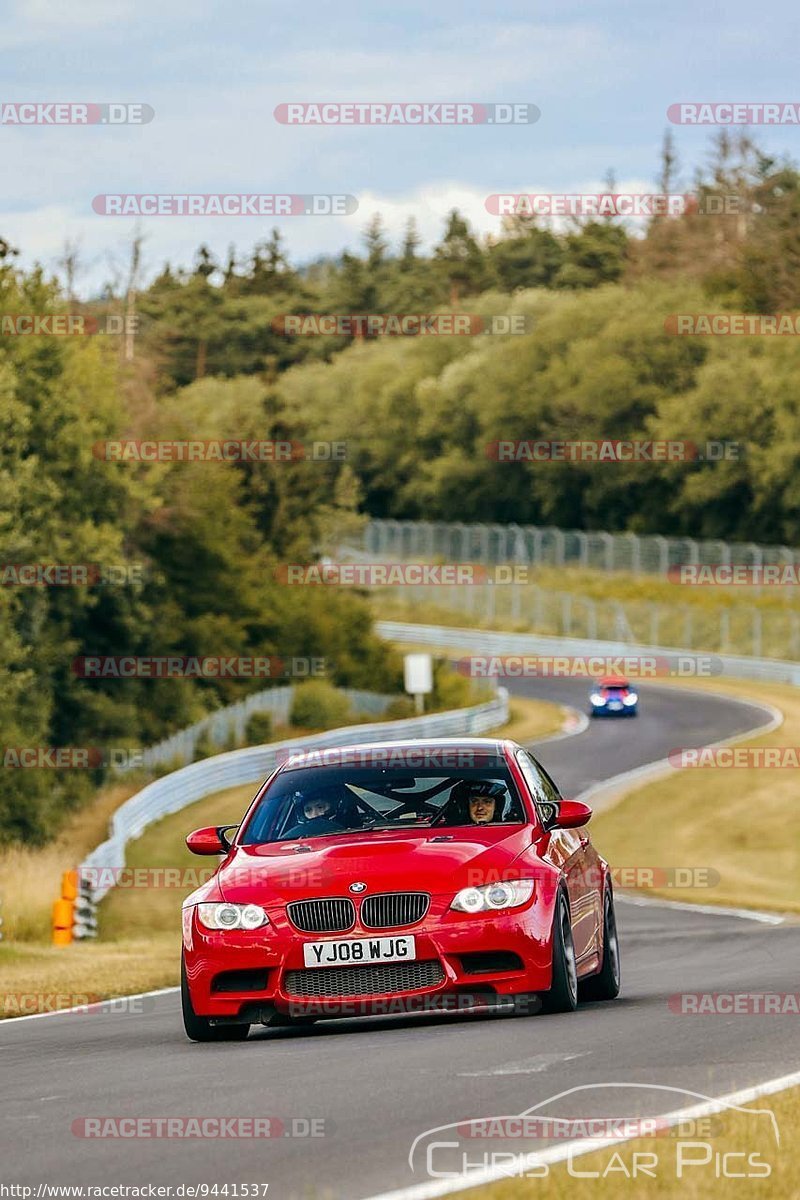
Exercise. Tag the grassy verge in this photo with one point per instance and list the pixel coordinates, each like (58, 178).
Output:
(738, 822)
(731, 1133)
(31, 876)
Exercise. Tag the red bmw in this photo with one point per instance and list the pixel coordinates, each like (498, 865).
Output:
(415, 876)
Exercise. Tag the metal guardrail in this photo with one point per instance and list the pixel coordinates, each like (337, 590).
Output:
(492, 642)
(231, 722)
(251, 765)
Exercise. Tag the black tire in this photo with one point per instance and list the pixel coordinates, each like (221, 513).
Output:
(563, 994)
(606, 983)
(200, 1029)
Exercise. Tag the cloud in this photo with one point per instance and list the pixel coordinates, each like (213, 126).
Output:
(40, 232)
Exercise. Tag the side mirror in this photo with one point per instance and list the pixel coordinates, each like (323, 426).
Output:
(211, 840)
(572, 814)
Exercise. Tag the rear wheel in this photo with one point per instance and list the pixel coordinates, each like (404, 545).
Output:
(200, 1029)
(563, 994)
(605, 984)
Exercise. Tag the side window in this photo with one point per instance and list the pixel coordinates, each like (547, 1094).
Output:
(551, 791)
(543, 790)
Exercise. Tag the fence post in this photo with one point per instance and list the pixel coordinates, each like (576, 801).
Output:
(538, 612)
(515, 601)
(591, 621)
(608, 552)
(566, 613)
(724, 630)
(583, 552)
(655, 614)
(688, 626)
(636, 553)
(757, 633)
(663, 553)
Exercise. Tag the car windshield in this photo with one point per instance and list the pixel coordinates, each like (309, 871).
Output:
(322, 801)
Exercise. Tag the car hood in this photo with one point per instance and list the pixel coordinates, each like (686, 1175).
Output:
(428, 860)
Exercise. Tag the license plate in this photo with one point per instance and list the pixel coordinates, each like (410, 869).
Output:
(361, 950)
(615, 704)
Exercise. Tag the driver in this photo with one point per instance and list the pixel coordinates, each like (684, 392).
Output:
(482, 802)
(475, 802)
(317, 814)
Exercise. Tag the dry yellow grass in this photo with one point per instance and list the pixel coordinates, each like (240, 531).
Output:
(732, 1133)
(31, 876)
(739, 822)
(37, 978)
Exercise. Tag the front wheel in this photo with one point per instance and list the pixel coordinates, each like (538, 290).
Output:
(563, 994)
(200, 1029)
(605, 984)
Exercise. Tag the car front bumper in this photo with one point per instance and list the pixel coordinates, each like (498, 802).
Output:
(459, 958)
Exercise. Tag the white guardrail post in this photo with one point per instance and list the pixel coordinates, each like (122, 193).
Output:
(191, 783)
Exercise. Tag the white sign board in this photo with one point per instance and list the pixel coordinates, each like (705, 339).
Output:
(418, 674)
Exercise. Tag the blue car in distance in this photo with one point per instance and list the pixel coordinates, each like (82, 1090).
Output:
(613, 696)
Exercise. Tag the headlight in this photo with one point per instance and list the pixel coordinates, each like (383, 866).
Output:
(494, 896)
(231, 916)
(631, 698)
(596, 698)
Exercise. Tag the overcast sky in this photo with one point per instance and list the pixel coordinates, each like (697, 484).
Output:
(603, 74)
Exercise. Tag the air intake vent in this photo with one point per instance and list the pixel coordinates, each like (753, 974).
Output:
(322, 916)
(392, 910)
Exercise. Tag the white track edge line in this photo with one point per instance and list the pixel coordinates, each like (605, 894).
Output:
(576, 1149)
(94, 1005)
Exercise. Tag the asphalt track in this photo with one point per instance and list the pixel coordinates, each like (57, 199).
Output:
(379, 1084)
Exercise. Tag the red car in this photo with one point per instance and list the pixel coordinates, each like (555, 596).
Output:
(397, 877)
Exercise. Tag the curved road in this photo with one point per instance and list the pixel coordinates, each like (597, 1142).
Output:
(380, 1083)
